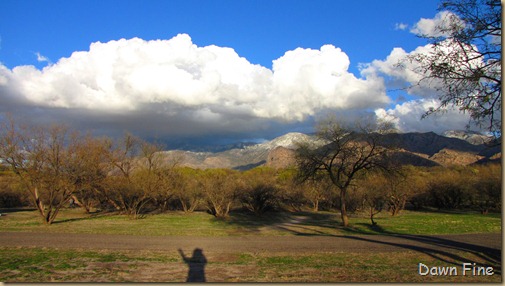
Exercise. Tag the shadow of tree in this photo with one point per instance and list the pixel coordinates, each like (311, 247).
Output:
(487, 253)
(306, 221)
(444, 248)
(86, 216)
(252, 223)
(438, 247)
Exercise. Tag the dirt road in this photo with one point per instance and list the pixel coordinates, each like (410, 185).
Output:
(490, 244)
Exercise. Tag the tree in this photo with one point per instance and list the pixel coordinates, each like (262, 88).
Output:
(487, 187)
(90, 171)
(291, 192)
(11, 195)
(47, 162)
(318, 189)
(137, 174)
(449, 188)
(219, 188)
(259, 192)
(397, 191)
(373, 188)
(186, 188)
(350, 151)
(464, 61)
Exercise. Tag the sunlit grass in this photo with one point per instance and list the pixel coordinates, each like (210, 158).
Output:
(21, 264)
(410, 222)
(204, 224)
(58, 265)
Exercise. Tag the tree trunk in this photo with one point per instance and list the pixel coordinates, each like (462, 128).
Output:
(316, 205)
(372, 213)
(40, 205)
(343, 209)
(86, 208)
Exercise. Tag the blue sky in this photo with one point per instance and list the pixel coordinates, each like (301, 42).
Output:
(38, 41)
(260, 31)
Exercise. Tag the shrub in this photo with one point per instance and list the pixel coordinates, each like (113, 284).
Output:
(486, 192)
(11, 195)
(219, 187)
(259, 192)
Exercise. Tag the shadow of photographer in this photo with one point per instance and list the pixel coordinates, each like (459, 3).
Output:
(196, 264)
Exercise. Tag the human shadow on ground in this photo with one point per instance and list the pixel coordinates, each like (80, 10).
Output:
(196, 265)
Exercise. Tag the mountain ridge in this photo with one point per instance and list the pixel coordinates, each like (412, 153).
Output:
(424, 149)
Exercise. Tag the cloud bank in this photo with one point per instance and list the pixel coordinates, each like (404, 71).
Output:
(407, 117)
(405, 75)
(175, 87)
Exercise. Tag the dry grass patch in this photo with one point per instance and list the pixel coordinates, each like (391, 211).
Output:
(54, 265)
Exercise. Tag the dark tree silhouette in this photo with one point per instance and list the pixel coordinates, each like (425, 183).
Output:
(464, 61)
(350, 151)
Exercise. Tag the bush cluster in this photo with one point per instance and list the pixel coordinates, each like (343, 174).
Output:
(263, 189)
(54, 168)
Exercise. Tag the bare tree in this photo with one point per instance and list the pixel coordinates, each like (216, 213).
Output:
(259, 193)
(90, 165)
(219, 187)
(318, 189)
(46, 162)
(372, 190)
(187, 188)
(464, 61)
(350, 151)
(397, 191)
(137, 173)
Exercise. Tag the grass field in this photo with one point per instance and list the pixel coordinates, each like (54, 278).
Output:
(203, 224)
(25, 264)
(52, 265)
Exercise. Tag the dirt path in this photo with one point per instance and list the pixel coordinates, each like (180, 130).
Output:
(489, 244)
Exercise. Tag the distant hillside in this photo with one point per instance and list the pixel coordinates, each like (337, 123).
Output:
(419, 149)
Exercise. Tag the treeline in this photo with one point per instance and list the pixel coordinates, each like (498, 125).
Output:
(54, 168)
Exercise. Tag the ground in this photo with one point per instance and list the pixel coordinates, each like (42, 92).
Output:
(297, 248)
(263, 258)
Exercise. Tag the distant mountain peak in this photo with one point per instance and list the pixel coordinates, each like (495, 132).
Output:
(471, 137)
(419, 149)
(288, 140)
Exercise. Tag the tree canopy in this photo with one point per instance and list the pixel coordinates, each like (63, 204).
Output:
(464, 60)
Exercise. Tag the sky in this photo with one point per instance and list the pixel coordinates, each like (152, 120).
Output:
(216, 71)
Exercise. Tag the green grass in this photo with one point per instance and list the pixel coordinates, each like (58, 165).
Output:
(52, 265)
(74, 221)
(429, 223)
(22, 264)
(303, 223)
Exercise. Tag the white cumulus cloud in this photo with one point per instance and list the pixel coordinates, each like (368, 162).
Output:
(164, 83)
(41, 58)
(401, 72)
(437, 26)
(407, 117)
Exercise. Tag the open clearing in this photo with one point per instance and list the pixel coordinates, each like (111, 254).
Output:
(292, 249)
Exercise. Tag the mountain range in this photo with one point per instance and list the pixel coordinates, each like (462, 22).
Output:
(419, 149)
